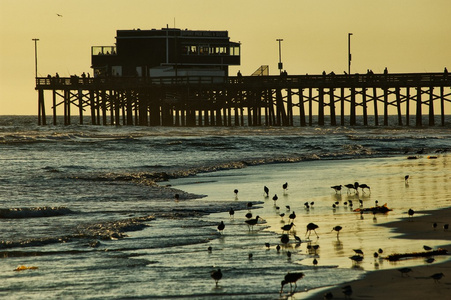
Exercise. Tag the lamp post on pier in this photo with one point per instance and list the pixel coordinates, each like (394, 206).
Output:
(280, 66)
(35, 57)
(349, 53)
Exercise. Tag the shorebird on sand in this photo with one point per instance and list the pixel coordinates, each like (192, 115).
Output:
(437, 277)
(405, 271)
(411, 212)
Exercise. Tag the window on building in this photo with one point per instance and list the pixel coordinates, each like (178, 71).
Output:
(234, 50)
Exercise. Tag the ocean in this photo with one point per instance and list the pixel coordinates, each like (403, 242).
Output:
(91, 212)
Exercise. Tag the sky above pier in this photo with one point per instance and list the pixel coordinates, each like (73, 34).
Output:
(404, 35)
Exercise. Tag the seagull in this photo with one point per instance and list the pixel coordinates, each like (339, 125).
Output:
(216, 275)
(291, 278)
(406, 178)
(59, 15)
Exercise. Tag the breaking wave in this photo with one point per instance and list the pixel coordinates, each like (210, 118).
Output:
(33, 212)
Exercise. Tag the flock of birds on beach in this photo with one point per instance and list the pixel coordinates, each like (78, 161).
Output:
(292, 277)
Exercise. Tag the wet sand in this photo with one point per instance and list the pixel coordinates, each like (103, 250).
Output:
(417, 284)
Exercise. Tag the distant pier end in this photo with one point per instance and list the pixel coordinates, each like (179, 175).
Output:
(173, 77)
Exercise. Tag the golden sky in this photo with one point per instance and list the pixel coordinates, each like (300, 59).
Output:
(403, 35)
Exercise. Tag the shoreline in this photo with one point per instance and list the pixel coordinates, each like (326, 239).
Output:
(392, 284)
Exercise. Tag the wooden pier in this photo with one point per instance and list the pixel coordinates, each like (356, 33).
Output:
(249, 100)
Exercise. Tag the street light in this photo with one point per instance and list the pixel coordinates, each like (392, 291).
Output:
(349, 53)
(35, 57)
(280, 55)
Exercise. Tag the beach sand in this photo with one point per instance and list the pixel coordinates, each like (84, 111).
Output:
(417, 284)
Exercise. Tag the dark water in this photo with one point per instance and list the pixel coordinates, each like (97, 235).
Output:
(91, 206)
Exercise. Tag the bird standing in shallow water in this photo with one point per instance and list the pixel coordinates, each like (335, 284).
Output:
(231, 213)
(364, 186)
(292, 216)
(216, 275)
(291, 278)
(221, 227)
(310, 227)
(236, 193)
(337, 229)
(275, 198)
(284, 239)
(251, 222)
(266, 190)
(285, 187)
(287, 227)
(337, 188)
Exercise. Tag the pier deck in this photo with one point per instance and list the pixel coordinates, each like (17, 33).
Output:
(266, 100)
